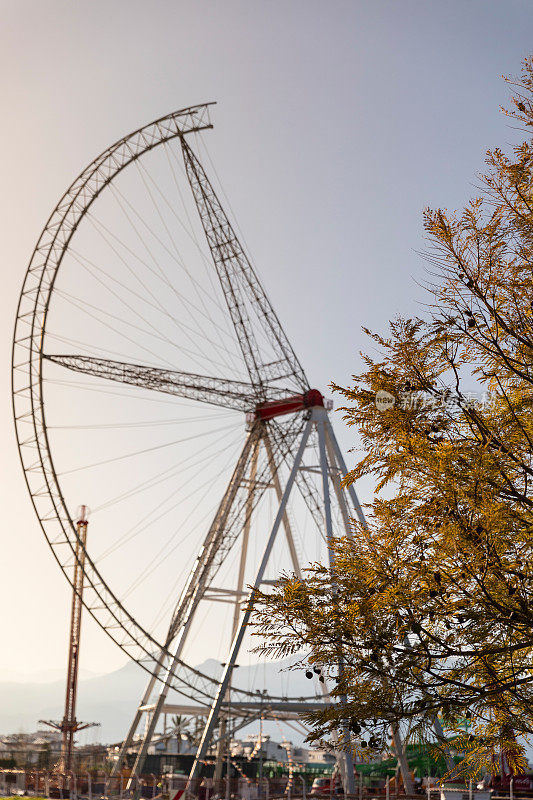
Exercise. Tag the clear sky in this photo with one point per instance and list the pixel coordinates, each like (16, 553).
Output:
(336, 124)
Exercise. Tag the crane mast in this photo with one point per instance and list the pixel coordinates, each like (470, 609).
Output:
(69, 724)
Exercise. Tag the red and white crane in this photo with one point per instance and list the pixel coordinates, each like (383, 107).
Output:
(69, 725)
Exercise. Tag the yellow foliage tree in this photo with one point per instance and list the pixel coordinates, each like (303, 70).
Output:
(431, 605)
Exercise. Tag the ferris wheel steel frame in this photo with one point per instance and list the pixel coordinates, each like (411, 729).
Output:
(282, 411)
(27, 378)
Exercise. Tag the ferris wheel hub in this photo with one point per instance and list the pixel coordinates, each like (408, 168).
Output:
(289, 405)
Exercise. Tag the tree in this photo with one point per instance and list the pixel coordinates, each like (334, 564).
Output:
(431, 603)
(43, 759)
(180, 727)
(198, 729)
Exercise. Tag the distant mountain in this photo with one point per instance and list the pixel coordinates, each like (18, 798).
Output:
(111, 699)
(41, 676)
(107, 699)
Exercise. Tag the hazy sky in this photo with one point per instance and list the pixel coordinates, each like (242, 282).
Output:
(336, 124)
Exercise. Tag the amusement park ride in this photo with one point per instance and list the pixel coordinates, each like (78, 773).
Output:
(289, 459)
(69, 725)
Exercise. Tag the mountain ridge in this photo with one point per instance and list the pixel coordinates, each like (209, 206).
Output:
(111, 698)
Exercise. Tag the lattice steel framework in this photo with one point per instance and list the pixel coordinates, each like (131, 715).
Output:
(281, 409)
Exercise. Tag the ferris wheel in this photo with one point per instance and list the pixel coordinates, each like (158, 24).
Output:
(153, 380)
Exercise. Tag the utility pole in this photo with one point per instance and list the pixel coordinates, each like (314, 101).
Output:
(228, 751)
(225, 735)
(262, 696)
(69, 725)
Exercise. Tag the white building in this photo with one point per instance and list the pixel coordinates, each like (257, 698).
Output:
(319, 756)
(172, 745)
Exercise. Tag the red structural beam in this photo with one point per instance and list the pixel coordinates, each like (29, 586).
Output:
(289, 405)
